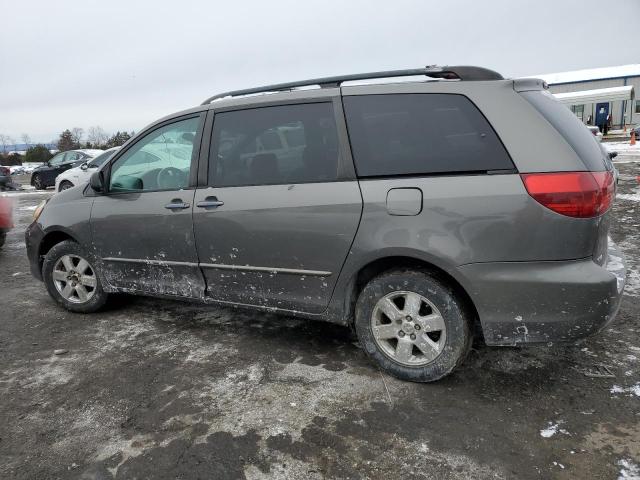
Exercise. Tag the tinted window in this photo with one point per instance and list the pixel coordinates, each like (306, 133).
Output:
(161, 160)
(274, 145)
(421, 134)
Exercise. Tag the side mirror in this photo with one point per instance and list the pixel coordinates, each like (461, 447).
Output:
(96, 182)
(613, 155)
(84, 166)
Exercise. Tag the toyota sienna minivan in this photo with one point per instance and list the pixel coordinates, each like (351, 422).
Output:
(420, 212)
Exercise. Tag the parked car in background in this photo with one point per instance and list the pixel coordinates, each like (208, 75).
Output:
(80, 175)
(45, 175)
(16, 169)
(5, 177)
(6, 218)
(596, 132)
(416, 212)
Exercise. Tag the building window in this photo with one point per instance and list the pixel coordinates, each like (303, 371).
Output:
(637, 110)
(578, 110)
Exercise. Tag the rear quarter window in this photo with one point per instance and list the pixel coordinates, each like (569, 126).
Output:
(410, 134)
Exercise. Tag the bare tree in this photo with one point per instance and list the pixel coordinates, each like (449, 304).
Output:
(26, 139)
(76, 134)
(97, 136)
(4, 141)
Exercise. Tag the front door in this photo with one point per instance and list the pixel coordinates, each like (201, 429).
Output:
(275, 224)
(55, 167)
(142, 228)
(602, 111)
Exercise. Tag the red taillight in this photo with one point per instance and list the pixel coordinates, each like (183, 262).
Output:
(574, 194)
(5, 171)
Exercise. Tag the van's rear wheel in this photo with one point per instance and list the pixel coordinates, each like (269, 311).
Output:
(71, 279)
(413, 325)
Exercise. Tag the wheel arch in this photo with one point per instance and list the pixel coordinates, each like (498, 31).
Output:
(62, 182)
(52, 237)
(374, 267)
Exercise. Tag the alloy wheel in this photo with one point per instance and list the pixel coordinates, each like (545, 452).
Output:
(74, 278)
(408, 328)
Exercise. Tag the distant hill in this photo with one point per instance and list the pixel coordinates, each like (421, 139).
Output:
(20, 147)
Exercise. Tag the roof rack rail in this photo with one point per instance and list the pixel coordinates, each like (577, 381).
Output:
(467, 73)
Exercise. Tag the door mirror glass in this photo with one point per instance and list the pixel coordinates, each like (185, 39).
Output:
(96, 182)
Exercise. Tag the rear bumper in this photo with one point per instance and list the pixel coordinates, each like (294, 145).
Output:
(539, 302)
(33, 238)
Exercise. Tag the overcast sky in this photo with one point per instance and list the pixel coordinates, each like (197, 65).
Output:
(122, 64)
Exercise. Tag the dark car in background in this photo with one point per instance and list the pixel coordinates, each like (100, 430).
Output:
(45, 175)
(5, 177)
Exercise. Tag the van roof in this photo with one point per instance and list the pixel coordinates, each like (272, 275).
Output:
(462, 72)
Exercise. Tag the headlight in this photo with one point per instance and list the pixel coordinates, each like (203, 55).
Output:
(38, 211)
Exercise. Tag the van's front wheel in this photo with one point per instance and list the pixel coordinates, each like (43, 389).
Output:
(71, 279)
(413, 325)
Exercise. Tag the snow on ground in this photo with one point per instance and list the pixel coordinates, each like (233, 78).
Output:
(624, 149)
(629, 470)
(552, 429)
(632, 390)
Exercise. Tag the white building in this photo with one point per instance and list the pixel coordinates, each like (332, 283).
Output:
(595, 92)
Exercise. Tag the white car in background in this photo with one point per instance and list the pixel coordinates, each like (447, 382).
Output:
(80, 175)
(596, 132)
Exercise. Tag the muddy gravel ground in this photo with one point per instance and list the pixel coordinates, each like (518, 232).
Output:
(161, 389)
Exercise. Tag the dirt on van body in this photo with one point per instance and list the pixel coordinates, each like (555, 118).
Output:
(161, 389)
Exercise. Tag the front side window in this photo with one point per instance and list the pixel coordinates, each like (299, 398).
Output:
(57, 160)
(161, 160)
(274, 145)
(637, 106)
(411, 134)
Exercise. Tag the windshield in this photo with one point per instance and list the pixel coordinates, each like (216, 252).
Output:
(100, 159)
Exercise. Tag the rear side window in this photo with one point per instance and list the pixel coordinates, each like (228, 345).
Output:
(570, 127)
(409, 134)
(274, 145)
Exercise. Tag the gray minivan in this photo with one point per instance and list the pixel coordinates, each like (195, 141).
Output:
(420, 213)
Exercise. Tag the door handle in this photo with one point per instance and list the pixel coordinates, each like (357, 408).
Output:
(210, 202)
(176, 204)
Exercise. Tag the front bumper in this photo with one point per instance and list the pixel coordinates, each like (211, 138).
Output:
(539, 302)
(33, 238)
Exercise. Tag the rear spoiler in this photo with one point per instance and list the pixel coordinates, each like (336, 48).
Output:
(529, 84)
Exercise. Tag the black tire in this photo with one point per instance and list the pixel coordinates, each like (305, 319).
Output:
(98, 296)
(37, 183)
(65, 185)
(457, 321)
